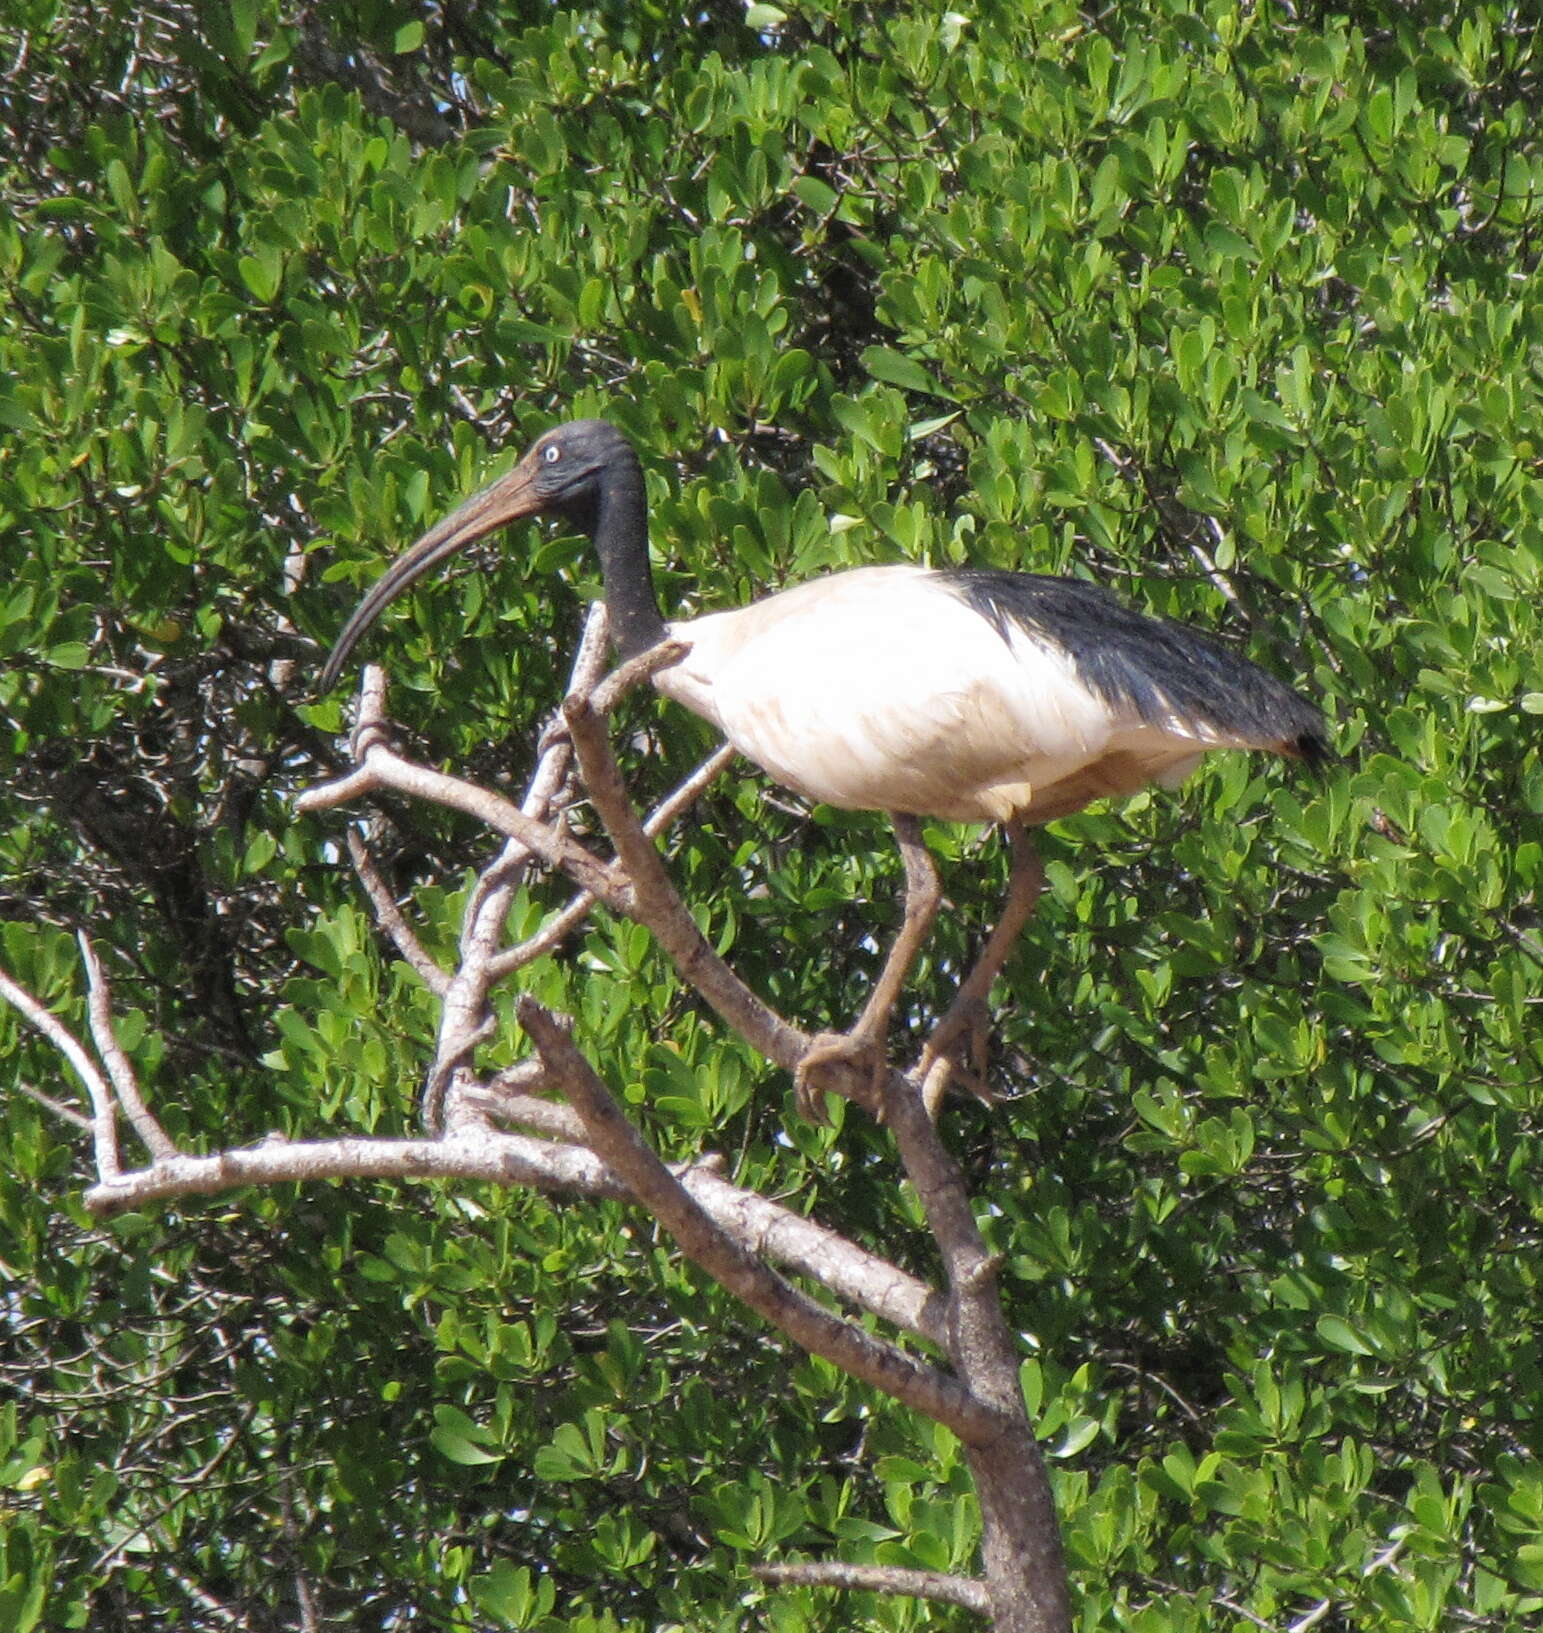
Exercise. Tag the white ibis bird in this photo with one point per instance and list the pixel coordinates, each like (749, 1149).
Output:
(965, 695)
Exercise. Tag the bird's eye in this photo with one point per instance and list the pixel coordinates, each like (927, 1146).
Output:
(552, 454)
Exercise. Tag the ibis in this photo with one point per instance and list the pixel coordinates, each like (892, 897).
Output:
(966, 695)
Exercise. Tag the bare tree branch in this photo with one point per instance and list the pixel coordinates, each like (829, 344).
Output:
(470, 1154)
(124, 1081)
(658, 905)
(58, 1108)
(588, 1147)
(547, 939)
(1021, 1542)
(104, 1126)
(604, 697)
(864, 1279)
(666, 811)
(381, 767)
(555, 1167)
(555, 930)
(391, 919)
(466, 1017)
(949, 1590)
(809, 1324)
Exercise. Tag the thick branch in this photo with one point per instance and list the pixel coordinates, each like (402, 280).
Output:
(948, 1590)
(555, 1167)
(766, 1228)
(474, 1154)
(1020, 1538)
(862, 1278)
(659, 905)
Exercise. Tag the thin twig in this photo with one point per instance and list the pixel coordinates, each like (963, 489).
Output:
(217, 1609)
(529, 1111)
(1312, 1617)
(633, 673)
(104, 1127)
(1217, 577)
(1242, 1610)
(384, 768)
(547, 939)
(56, 1107)
(391, 918)
(124, 1541)
(666, 811)
(556, 930)
(99, 1013)
(466, 1016)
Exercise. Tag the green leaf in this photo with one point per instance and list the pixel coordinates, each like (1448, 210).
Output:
(816, 194)
(898, 370)
(260, 275)
(1340, 1335)
(243, 18)
(459, 1450)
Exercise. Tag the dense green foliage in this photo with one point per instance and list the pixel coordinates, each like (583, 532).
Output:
(1233, 306)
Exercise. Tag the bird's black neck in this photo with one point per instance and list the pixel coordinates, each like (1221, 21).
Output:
(618, 524)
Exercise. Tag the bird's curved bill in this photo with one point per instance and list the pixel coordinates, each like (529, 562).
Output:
(506, 500)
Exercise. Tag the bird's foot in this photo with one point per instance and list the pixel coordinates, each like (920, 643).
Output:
(858, 1051)
(963, 1035)
(554, 732)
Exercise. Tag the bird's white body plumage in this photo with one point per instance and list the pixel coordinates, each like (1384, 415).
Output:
(883, 689)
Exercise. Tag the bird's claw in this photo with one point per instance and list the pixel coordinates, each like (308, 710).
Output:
(555, 732)
(855, 1050)
(963, 1036)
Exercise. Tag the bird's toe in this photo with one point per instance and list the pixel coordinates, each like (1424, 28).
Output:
(555, 732)
(958, 1051)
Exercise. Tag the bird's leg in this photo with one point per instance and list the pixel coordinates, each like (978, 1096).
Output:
(863, 1045)
(968, 1010)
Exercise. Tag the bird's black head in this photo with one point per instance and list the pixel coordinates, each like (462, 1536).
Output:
(568, 468)
(578, 471)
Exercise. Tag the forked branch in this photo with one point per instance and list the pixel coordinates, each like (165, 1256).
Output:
(613, 1138)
